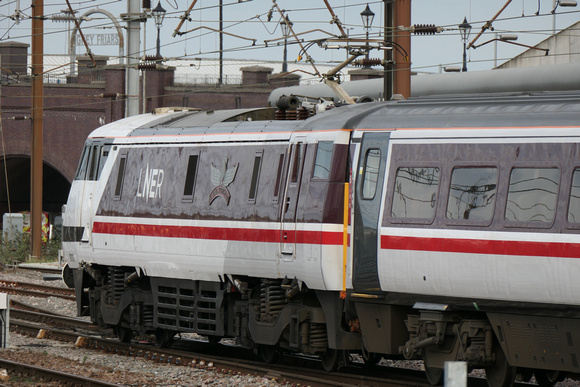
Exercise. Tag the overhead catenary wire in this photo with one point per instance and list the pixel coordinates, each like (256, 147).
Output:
(234, 23)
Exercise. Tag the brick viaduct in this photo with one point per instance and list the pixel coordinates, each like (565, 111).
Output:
(91, 98)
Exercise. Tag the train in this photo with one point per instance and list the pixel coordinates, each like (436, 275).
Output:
(441, 228)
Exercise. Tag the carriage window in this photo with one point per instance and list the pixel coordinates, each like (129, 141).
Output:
(255, 177)
(532, 195)
(190, 178)
(415, 195)
(278, 178)
(323, 160)
(120, 177)
(472, 194)
(371, 173)
(82, 170)
(574, 207)
(93, 162)
(104, 155)
(297, 162)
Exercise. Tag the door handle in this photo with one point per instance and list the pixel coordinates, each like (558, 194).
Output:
(287, 204)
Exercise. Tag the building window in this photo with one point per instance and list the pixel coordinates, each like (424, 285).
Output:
(415, 193)
(472, 194)
(532, 195)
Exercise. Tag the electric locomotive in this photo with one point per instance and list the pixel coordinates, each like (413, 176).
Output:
(440, 228)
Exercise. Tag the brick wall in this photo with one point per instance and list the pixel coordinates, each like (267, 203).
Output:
(72, 111)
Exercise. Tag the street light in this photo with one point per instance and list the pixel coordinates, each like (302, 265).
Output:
(367, 17)
(464, 30)
(286, 26)
(158, 15)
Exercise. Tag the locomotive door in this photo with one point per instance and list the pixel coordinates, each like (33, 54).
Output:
(367, 205)
(290, 199)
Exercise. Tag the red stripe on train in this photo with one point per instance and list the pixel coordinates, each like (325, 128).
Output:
(218, 233)
(478, 246)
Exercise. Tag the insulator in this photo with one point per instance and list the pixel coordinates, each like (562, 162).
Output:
(368, 62)
(425, 29)
(291, 115)
(62, 18)
(280, 115)
(303, 114)
(152, 58)
(147, 66)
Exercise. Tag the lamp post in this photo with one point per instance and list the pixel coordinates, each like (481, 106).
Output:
(286, 25)
(464, 30)
(367, 17)
(158, 15)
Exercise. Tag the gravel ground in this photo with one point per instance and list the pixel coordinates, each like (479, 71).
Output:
(126, 371)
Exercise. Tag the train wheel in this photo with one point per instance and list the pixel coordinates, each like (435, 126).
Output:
(164, 337)
(434, 374)
(330, 359)
(546, 378)
(268, 354)
(500, 374)
(124, 334)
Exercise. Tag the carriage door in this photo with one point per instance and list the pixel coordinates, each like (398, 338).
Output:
(367, 204)
(290, 201)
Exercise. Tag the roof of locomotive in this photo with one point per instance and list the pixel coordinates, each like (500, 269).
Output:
(506, 110)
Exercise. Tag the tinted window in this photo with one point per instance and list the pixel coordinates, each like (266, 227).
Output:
(94, 162)
(415, 195)
(323, 160)
(574, 207)
(104, 155)
(278, 178)
(120, 177)
(82, 169)
(255, 177)
(472, 194)
(297, 162)
(190, 177)
(532, 195)
(371, 173)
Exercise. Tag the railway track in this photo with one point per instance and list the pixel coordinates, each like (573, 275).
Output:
(48, 270)
(36, 290)
(234, 360)
(293, 374)
(45, 375)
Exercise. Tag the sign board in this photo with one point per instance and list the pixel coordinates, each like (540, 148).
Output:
(98, 39)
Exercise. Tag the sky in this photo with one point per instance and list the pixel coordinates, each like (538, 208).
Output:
(249, 20)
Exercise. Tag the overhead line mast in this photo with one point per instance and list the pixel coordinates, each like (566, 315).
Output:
(37, 127)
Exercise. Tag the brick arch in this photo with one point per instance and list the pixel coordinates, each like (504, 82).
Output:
(17, 166)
